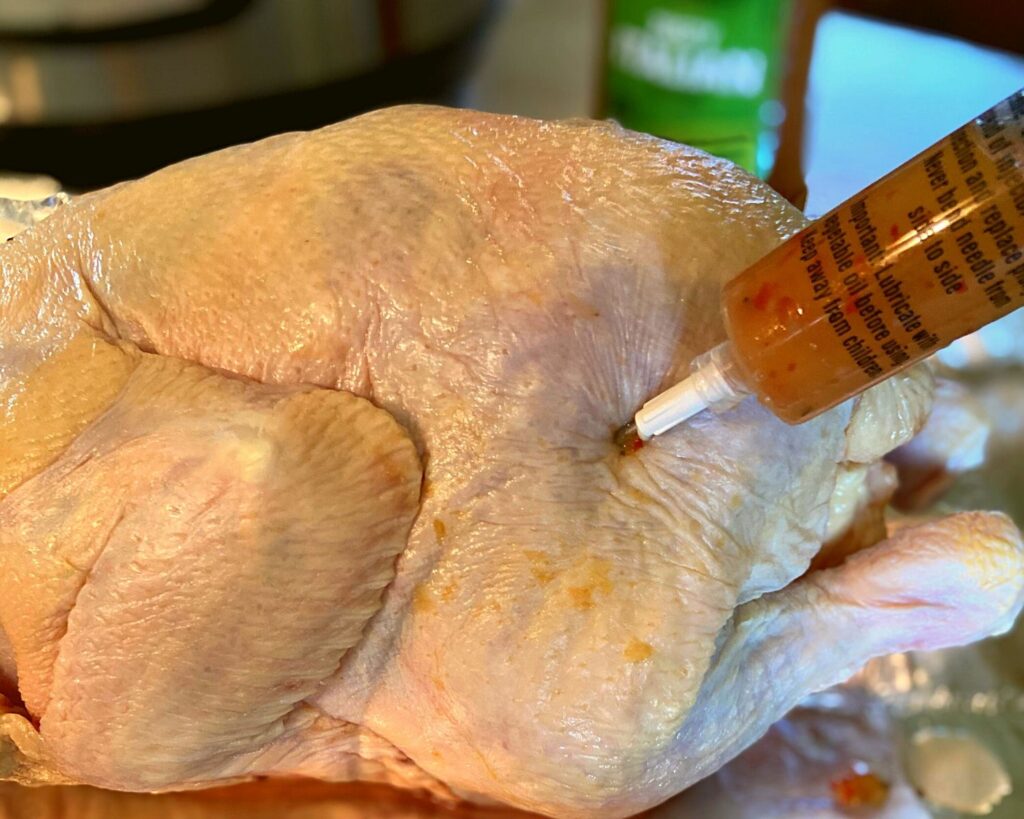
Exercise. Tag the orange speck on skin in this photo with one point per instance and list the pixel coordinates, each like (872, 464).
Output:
(440, 529)
(539, 566)
(422, 600)
(637, 651)
(599, 570)
(860, 791)
(542, 576)
(393, 475)
(448, 592)
(594, 579)
(638, 496)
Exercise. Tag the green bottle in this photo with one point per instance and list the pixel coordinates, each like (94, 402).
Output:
(704, 72)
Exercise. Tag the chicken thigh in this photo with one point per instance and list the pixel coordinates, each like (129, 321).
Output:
(307, 469)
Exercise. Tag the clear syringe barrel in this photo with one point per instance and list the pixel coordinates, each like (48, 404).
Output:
(924, 256)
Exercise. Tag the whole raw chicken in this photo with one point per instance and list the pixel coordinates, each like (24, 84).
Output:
(306, 468)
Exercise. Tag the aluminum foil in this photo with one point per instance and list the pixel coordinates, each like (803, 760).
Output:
(17, 215)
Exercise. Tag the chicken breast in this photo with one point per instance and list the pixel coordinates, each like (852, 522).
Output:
(236, 391)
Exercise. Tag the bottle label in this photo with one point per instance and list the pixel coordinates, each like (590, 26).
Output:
(704, 73)
(926, 255)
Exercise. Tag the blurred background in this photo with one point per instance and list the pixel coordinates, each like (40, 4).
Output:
(827, 93)
(820, 98)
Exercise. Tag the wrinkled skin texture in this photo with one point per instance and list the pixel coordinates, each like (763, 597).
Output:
(207, 505)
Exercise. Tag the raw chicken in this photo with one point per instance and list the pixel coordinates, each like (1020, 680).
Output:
(223, 384)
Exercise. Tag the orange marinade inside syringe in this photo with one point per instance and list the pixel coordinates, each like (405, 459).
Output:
(926, 255)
